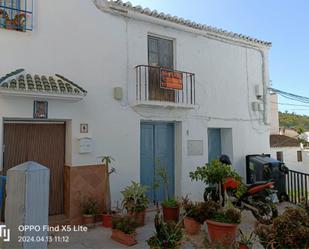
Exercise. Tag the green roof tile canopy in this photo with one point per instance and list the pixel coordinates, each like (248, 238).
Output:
(19, 81)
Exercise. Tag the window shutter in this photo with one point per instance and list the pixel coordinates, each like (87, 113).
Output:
(299, 156)
(166, 53)
(280, 156)
(153, 51)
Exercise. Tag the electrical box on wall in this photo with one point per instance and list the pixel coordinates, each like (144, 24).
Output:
(118, 93)
(258, 92)
(85, 145)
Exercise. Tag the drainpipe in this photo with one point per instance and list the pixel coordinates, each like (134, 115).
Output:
(265, 75)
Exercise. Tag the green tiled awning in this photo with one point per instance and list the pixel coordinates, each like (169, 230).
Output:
(19, 81)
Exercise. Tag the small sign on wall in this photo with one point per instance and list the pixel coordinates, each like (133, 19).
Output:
(195, 148)
(83, 128)
(40, 109)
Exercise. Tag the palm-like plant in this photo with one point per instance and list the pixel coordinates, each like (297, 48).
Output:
(107, 160)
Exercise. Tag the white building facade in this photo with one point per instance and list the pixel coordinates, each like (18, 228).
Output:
(115, 56)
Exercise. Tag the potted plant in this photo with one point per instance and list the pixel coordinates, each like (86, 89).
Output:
(167, 235)
(195, 215)
(246, 241)
(124, 230)
(170, 205)
(89, 208)
(223, 225)
(135, 201)
(108, 213)
(289, 230)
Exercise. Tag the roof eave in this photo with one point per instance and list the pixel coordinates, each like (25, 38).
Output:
(137, 12)
(42, 95)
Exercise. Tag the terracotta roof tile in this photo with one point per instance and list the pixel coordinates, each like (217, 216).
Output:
(19, 81)
(283, 141)
(188, 23)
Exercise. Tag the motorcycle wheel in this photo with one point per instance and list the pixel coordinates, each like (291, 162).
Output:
(210, 193)
(266, 212)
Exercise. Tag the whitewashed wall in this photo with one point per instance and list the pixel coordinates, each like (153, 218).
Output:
(290, 158)
(99, 51)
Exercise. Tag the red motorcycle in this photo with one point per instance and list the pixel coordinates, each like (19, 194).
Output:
(259, 198)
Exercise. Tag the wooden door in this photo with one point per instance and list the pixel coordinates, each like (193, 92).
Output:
(160, 54)
(157, 150)
(214, 144)
(42, 143)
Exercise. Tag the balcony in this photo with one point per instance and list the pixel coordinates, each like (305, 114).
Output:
(162, 87)
(16, 15)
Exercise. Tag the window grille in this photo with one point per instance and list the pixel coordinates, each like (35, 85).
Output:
(16, 14)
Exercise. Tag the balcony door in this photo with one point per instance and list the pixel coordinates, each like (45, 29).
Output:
(160, 54)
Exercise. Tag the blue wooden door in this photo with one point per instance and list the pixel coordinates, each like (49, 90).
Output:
(157, 150)
(214, 144)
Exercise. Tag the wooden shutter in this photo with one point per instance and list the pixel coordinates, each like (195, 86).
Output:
(160, 53)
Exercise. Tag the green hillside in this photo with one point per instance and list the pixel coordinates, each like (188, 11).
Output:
(294, 121)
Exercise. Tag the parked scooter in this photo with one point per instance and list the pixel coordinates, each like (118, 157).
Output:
(259, 198)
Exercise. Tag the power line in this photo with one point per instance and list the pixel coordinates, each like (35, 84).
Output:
(289, 104)
(291, 96)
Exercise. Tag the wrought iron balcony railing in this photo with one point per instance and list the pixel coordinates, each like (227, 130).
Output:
(297, 186)
(16, 14)
(166, 85)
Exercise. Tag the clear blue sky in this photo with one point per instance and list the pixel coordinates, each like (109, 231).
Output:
(283, 22)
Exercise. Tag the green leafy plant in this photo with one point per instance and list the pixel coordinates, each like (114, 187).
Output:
(289, 230)
(162, 173)
(241, 190)
(89, 206)
(167, 235)
(124, 223)
(227, 215)
(199, 211)
(215, 173)
(170, 203)
(134, 197)
(246, 239)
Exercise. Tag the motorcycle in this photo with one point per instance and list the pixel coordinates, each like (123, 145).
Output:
(259, 198)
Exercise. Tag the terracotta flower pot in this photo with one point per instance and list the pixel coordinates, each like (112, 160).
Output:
(121, 237)
(243, 246)
(170, 213)
(88, 220)
(107, 220)
(222, 233)
(191, 226)
(139, 217)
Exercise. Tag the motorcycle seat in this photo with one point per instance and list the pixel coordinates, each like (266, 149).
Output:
(256, 184)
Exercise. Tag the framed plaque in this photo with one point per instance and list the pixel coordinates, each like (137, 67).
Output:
(40, 109)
